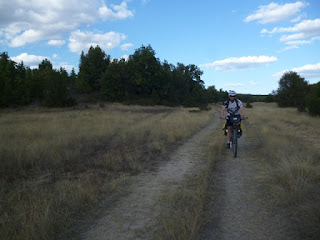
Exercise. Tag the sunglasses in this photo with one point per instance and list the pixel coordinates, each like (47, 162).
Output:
(232, 96)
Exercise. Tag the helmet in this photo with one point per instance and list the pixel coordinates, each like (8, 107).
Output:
(232, 93)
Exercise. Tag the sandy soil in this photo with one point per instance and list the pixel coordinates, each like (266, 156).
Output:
(134, 215)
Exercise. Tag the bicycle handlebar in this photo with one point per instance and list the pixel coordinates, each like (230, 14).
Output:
(242, 118)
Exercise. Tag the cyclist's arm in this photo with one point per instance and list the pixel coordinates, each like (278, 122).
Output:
(223, 108)
(243, 113)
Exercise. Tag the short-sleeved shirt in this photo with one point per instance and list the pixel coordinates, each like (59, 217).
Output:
(232, 107)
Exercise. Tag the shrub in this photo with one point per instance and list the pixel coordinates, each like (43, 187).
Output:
(248, 105)
(313, 99)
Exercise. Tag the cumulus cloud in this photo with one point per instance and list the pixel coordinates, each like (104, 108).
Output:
(56, 42)
(66, 66)
(304, 29)
(29, 60)
(82, 41)
(304, 32)
(126, 46)
(302, 42)
(275, 13)
(25, 22)
(119, 12)
(230, 64)
(306, 71)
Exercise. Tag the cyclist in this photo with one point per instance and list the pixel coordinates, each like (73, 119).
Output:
(232, 105)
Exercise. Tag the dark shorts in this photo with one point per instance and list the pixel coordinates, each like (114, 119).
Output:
(228, 123)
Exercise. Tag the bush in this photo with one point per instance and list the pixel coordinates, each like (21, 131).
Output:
(313, 100)
(248, 105)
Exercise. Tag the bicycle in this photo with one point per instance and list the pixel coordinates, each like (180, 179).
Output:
(236, 131)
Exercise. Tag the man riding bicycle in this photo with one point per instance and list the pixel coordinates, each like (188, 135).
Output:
(232, 105)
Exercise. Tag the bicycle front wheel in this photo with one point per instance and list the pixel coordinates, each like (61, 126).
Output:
(234, 142)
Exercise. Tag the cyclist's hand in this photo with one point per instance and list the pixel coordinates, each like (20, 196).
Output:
(222, 117)
(245, 117)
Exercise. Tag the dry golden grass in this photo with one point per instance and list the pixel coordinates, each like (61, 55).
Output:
(289, 153)
(56, 165)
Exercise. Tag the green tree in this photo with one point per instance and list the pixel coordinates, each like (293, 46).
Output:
(49, 86)
(92, 66)
(72, 81)
(313, 99)
(292, 91)
(271, 97)
(144, 68)
(213, 96)
(114, 81)
(7, 78)
(21, 91)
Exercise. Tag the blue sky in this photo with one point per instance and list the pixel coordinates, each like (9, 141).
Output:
(241, 45)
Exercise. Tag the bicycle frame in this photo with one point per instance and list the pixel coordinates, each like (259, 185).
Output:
(235, 132)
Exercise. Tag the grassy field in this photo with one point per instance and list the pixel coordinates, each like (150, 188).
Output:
(56, 165)
(288, 151)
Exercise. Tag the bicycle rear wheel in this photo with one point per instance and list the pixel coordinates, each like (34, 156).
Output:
(234, 142)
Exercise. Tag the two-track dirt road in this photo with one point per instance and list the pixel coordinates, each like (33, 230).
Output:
(133, 217)
(240, 208)
(237, 210)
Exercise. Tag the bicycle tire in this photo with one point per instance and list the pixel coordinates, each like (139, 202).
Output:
(234, 142)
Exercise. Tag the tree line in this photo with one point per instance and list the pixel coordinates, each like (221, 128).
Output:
(295, 91)
(141, 79)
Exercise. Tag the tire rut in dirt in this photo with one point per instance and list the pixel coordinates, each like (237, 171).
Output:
(238, 208)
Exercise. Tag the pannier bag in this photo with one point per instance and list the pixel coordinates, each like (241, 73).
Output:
(225, 129)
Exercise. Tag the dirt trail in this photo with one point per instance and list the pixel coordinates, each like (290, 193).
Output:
(133, 217)
(238, 209)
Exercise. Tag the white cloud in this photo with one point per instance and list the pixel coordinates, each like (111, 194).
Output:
(304, 32)
(33, 61)
(24, 22)
(275, 13)
(253, 83)
(297, 19)
(302, 42)
(125, 57)
(120, 12)
(29, 60)
(234, 85)
(82, 41)
(56, 42)
(126, 46)
(66, 66)
(306, 71)
(288, 48)
(230, 64)
(145, 1)
(304, 29)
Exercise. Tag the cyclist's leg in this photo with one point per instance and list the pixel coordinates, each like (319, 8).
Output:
(229, 133)
(228, 126)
